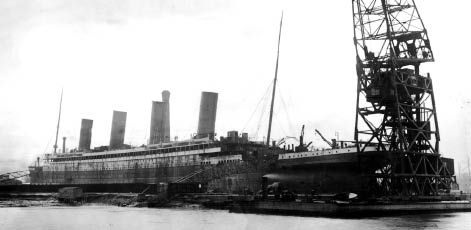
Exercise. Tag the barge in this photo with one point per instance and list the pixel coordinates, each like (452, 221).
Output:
(346, 209)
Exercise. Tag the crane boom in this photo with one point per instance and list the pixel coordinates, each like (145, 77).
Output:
(323, 138)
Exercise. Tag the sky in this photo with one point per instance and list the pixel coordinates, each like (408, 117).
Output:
(120, 55)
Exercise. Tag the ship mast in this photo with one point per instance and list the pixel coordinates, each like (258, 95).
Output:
(274, 83)
(58, 121)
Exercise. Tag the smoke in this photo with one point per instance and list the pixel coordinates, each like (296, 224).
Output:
(288, 176)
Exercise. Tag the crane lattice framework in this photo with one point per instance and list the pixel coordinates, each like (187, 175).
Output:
(395, 104)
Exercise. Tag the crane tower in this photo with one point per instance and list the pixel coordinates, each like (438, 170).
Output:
(395, 102)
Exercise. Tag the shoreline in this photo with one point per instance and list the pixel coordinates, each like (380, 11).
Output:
(112, 199)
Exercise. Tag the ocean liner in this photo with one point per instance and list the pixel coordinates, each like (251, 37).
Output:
(230, 164)
(395, 116)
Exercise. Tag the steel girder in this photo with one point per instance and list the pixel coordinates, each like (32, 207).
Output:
(395, 103)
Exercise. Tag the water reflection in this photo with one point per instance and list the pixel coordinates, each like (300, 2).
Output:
(106, 217)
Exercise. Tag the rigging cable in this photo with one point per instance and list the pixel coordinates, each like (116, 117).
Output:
(262, 99)
(285, 108)
(264, 109)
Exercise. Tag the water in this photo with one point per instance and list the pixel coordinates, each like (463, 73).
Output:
(120, 218)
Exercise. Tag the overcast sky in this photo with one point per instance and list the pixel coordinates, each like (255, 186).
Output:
(120, 55)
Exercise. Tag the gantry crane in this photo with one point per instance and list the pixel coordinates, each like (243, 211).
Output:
(395, 103)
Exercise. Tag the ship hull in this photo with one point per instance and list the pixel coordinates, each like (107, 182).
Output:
(344, 171)
(235, 178)
(229, 167)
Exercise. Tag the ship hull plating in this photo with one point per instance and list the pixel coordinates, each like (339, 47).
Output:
(344, 171)
(223, 168)
(235, 177)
